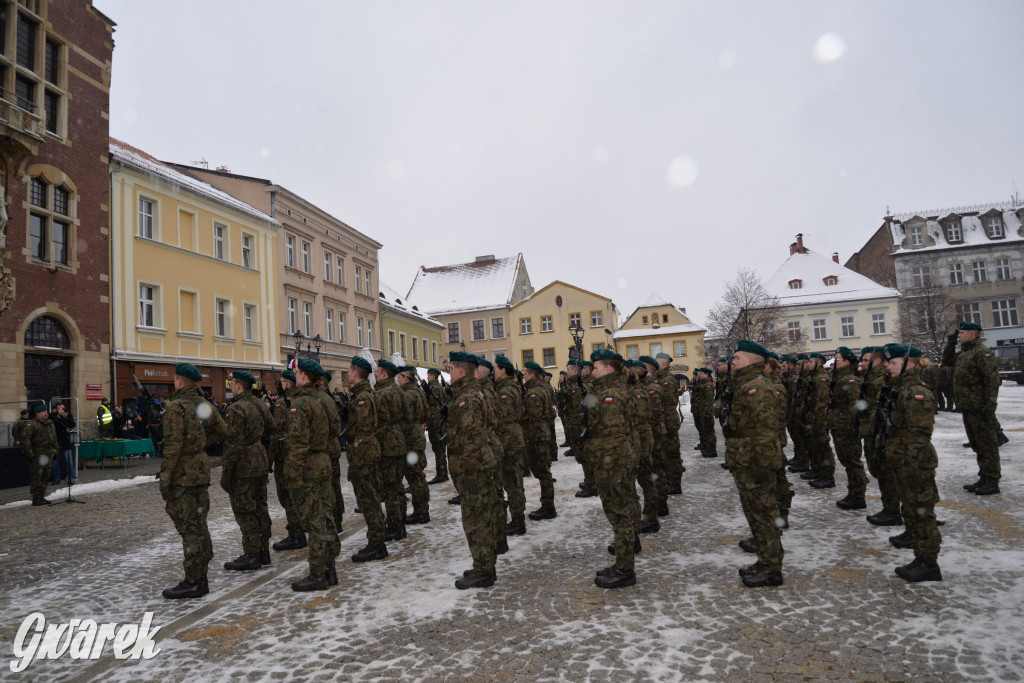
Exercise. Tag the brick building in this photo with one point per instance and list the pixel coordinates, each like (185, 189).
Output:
(55, 60)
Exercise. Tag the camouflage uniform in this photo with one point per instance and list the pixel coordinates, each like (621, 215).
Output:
(334, 452)
(823, 461)
(877, 378)
(976, 388)
(947, 402)
(752, 452)
(39, 439)
(844, 432)
(308, 472)
(245, 469)
(796, 391)
(670, 443)
(658, 453)
(703, 409)
(536, 434)
(643, 444)
(185, 475)
(278, 454)
(390, 410)
(416, 413)
(912, 457)
(508, 411)
(608, 443)
(490, 400)
(551, 415)
(573, 419)
(783, 489)
(472, 467)
(364, 459)
(435, 428)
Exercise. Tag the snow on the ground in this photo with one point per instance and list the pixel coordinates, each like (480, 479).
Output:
(89, 488)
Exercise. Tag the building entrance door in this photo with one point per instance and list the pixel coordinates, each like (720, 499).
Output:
(47, 377)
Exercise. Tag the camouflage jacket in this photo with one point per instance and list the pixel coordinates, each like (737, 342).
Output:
(437, 399)
(308, 432)
(670, 397)
(333, 423)
(782, 399)
(844, 400)
(795, 393)
(536, 403)
(643, 407)
(390, 412)
(874, 381)
(754, 410)
(248, 421)
(609, 421)
(817, 403)
(467, 425)
(546, 387)
(39, 437)
(184, 461)
(18, 430)
(416, 412)
(654, 391)
(975, 375)
(913, 418)
(277, 440)
(574, 393)
(508, 411)
(363, 448)
(703, 400)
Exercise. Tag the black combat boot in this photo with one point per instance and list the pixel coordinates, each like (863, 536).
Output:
(517, 527)
(244, 562)
(188, 589)
(332, 577)
(902, 541)
(663, 510)
(371, 552)
(318, 582)
(455, 500)
(823, 483)
(616, 578)
(799, 467)
(543, 513)
(920, 570)
(987, 488)
(649, 526)
(439, 478)
(264, 557)
(750, 569)
(676, 490)
(708, 453)
(606, 570)
(586, 493)
(476, 579)
(698, 447)
(418, 518)
(762, 577)
(851, 503)
(396, 534)
(636, 547)
(971, 487)
(886, 518)
(39, 500)
(294, 542)
(501, 548)
(748, 545)
(810, 475)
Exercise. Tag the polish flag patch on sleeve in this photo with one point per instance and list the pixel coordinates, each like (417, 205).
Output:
(462, 405)
(292, 410)
(918, 397)
(751, 392)
(609, 399)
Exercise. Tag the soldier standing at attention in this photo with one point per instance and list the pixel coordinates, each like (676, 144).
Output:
(485, 384)
(39, 439)
(872, 367)
(575, 391)
(508, 411)
(845, 436)
(472, 466)
(189, 423)
(334, 426)
(245, 470)
(308, 471)
(390, 409)
(822, 474)
(783, 489)
(644, 410)
(670, 395)
(552, 415)
(910, 453)
(703, 410)
(364, 458)
(536, 406)
(976, 388)
(435, 426)
(296, 538)
(752, 451)
(799, 385)
(416, 442)
(661, 428)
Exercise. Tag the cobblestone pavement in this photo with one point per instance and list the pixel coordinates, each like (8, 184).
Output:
(841, 615)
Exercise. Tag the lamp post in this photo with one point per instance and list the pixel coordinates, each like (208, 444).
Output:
(576, 352)
(312, 351)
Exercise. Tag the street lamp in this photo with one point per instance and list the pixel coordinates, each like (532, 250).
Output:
(318, 343)
(576, 353)
(297, 338)
(312, 351)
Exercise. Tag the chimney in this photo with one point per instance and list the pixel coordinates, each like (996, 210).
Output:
(792, 248)
(800, 243)
(488, 257)
(835, 256)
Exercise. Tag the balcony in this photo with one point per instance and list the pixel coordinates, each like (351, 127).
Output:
(19, 123)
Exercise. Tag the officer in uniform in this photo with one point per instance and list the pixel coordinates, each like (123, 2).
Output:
(845, 435)
(874, 385)
(472, 466)
(390, 409)
(797, 391)
(703, 409)
(334, 428)
(39, 439)
(783, 489)
(416, 413)
(435, 425)
(189, 424)
(644, 410)
(815, 418)
(245, 470)
(976, 387)
(661, 428)
(364, 458)
(508, 411)
(296, 538)
(536, 407)
(752, 451)
(485, 384)
(575, 391)
(670, 395)
(552, 415)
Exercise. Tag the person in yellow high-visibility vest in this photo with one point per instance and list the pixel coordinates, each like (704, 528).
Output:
(104, 418)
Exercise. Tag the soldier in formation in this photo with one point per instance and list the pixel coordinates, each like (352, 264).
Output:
(364, 458)
(872, 367)
(702, 406)
(508, 412)
(537, 405)
(415, 416)
(435, 425)
(390, 410)
(845, 392)
(296, 538)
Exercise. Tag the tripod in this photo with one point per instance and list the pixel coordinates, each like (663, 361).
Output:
(71, 482)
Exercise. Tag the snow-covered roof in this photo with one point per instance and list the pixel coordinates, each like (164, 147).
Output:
(465, 287)
(972, 227)
(392, 299)
(133, 156)
(654, 301)
(811, 269)
(658, 331)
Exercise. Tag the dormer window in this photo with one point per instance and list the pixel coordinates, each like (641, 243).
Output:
(644, 320)
(796, 284)
(994, 226)
(831, 280)
(954, 232)
(916, 236)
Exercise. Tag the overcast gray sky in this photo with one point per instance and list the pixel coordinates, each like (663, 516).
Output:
(624, 147)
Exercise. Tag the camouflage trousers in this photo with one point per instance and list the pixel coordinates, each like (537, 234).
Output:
(672, 456)
(437, 444)
(187, 506)
(552, 440)
(339, 501)
(511, 471)
(783, 489)
(883, 474)
(39, 474)
(538, 461)
(291, 512)
(615, 474)
(982, 429)
(474, 480)
(579, 453)
(414, 473)
(796, 435)
(705, 424)
(365, 480)
(645, 474)
(392, 470)
(315, 499)
(914, 469)
(819, 450)
(659, 465)
(248, 498)
(752, 467)
(847, 443)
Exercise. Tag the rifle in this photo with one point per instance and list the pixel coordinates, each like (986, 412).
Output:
(150, 400)
(862, 398)
(583, 389)
(723, 411)
(439, 405)
(883, 419)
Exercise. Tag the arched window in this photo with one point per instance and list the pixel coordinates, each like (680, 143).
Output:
(47, 332)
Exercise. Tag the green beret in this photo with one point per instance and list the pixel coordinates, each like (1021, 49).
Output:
(188, 371)
(816, 356)
(604, 354)
(786, 357)
(327, 375)
(40, 407)
(750, 346)
(504, 363)
(361, 362)
(310, 367)
(967, 325)
(486, 363)
(899, 351)
(723, 359)
(650, 361)
(243, 376)
(772, 354)
(664, 355)
(463, 357)
(406, 368)
(802, 356)
(847, 354)
(586, 363)
(534, 367)
(573, 362)
(390, 367)
(434, 371)
(290, 375)
(24, 412)
(548, 374)
(629, 363)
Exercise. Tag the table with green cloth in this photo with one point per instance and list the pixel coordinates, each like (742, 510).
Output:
(114, 448)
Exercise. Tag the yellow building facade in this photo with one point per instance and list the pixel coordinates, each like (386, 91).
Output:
(657, 326)
(541, 323)
(192, 276)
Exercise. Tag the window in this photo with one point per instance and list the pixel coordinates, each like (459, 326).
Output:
(527, 356)
(47, 332)
(249, 321)
(329, 324)
(340, 270)
(433, 352)
(246, 250)
(847, 326)
(147, 305)
(306, 265)
(289, 251)
(220, 316)
(574, 320)
(328, 265)
(879, 323)
(49, 222)
(956, 274)
(479, 333)
(679, 348)
(341, 327)
(831, 281)
(1003, 268)
(359, 331)
(655, 348)
(367, 289)
(453, 333)
(633, 352)
(969, 312)
(916, 236)
(549, 357)
(1004, 313)
(954, 233)
(994, 227)
(425, 356)
(391, 342)
(415, 348)
(643, 320)
(819, 328)
(596, 319)
(596, 347)
(401, 344)
(921, 276)
(497, 328)
(37, 87)
(293, 323)
(146, 224)
(793, 331)
(307, 318)
(525, 326)
(369, 332)
(359, 284)
(218, 241)
(978, 268)
(796, 284)
(545, 323)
